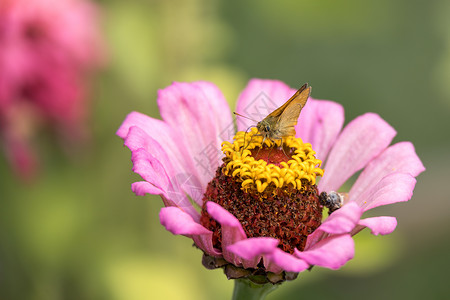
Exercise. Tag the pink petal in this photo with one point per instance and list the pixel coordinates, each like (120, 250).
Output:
(225, 218)
(153, 134)
(180, 223)
(198, 122)
(360, 141)
(221, 109)
(275, 260)
(400, 158)
(153, 171)
(150, 169)
(319, 124)
(259, 98)
(141, 188)
(341, 221)
(279, 260)
(332, 252)
(397, 187)
(254, 247)
(232, 231)
(137, 139)
(377, 225)
(153, 127)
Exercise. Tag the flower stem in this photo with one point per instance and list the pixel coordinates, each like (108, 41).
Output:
(245, 289)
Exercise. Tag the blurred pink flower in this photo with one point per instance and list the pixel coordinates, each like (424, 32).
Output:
(47, 47)
(196, 117)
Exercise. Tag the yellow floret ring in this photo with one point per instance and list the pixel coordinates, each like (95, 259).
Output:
(259, 175)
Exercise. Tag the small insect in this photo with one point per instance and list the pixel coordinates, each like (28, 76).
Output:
(332, 200)
(281, 122)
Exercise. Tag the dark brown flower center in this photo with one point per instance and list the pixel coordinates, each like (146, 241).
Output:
(271, 155)
(288, 214)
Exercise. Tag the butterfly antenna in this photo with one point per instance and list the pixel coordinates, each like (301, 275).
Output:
(244, 117)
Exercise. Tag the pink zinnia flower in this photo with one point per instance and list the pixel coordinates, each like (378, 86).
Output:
(46, 49)
(179, 158)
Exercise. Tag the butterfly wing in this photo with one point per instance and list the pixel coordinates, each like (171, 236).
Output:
(289, 117)
(277, 112)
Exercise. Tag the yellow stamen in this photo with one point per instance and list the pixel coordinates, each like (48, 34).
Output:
(259, 175)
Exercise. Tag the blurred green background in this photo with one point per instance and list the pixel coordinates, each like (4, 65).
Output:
(78, 232)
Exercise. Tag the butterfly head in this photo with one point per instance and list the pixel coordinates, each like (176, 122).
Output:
(263, 127)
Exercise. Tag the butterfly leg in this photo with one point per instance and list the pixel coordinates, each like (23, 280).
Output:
(245, 139)
(282, 147)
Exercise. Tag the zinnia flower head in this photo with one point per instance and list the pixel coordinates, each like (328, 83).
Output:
(261, 207)
(47, 47)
